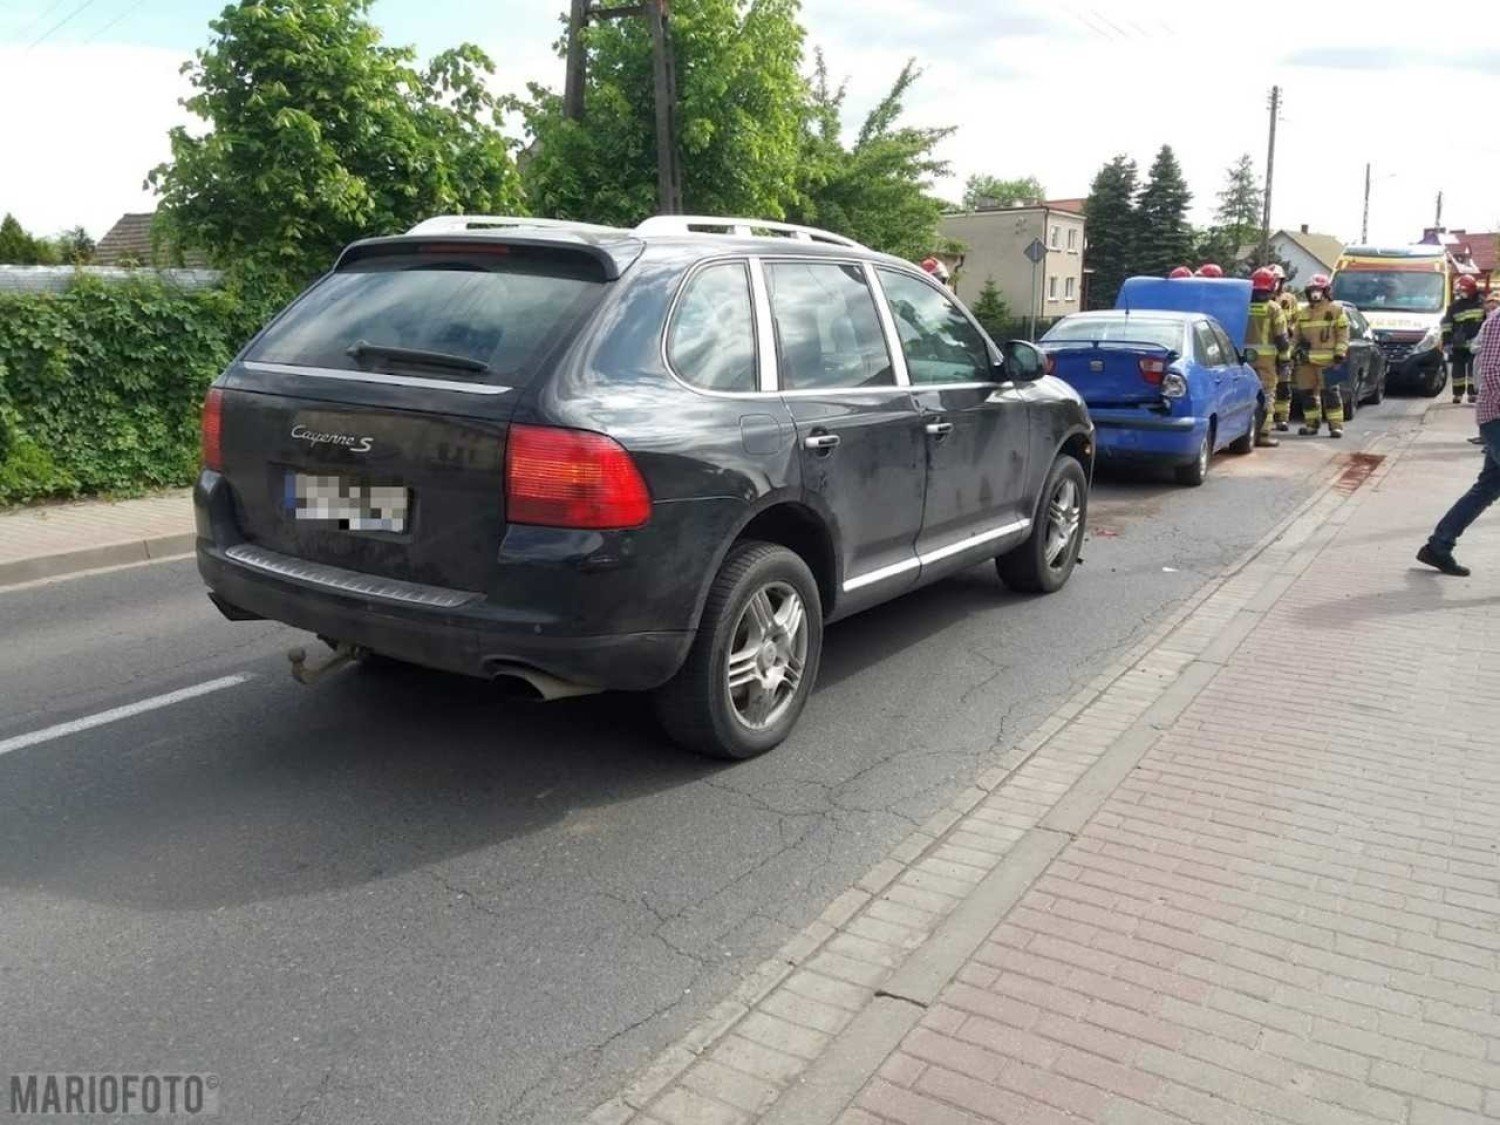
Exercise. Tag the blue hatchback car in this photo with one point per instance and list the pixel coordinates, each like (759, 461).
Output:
(1164, 374)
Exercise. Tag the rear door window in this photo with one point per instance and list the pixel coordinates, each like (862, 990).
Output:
(1209, 353)
(828, 332)
(1226, 349)
(940, 343)
(711, 343)
(498, 306)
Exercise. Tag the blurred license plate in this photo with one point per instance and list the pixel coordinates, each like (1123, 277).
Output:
(353, 505)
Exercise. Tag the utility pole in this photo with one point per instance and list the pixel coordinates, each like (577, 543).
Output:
(664, 71)
(1265, 217)
(1438, 221)
(577, 61)
(1364, 222)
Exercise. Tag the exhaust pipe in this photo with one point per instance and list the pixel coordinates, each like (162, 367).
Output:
(547, 687)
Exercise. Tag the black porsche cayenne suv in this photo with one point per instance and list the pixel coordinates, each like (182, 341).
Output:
(658, 459)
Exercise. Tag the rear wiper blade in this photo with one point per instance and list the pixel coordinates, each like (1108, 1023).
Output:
(363, 348)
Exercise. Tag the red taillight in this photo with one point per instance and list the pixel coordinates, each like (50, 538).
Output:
(572, 478)
(213, 425)
(1153, 370)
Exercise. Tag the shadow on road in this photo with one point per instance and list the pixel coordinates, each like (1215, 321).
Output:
(272, 790)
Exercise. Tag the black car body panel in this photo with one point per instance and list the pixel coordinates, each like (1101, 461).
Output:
(460, 587)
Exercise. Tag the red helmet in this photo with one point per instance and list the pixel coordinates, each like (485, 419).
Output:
(1263, 280)
(1466, 285)
(1209, 269)
(930, 265)
(1318, 281)
(1180, 271)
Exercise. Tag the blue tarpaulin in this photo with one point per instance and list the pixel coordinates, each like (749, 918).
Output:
(1227, 300)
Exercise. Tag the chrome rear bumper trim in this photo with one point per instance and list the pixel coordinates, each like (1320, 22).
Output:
(349, 581)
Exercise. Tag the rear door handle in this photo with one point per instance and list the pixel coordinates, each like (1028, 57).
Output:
(820, 441)
(939, 429)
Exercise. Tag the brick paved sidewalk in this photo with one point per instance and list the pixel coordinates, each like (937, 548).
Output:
(1290, 910)
(55, 539)
(1249, 875)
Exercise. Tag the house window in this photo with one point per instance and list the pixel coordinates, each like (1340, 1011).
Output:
(1072, 238)
(1057, 238)
(1068, 288)
(1052, 288)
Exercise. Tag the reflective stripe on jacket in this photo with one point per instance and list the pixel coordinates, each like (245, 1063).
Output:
(1268, 328)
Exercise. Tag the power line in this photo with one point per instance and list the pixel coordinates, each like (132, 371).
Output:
(60, 24)
(127, 11)
(40, 16)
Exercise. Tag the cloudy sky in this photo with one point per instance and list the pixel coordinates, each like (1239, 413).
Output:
(88, 89)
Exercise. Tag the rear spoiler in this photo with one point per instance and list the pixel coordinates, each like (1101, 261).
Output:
(1124, 345)
(612, 254)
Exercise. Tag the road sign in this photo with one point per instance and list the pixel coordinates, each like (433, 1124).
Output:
(1036, 251)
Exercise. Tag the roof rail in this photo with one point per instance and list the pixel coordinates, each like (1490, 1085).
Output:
(741, 228)
(454, 224)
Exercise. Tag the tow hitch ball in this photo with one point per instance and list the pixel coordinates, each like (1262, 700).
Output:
(343, 653)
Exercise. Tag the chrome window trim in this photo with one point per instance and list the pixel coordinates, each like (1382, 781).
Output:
(765, 328)
(888, 325)
(666, 328)
(869, 578)
(265, 368)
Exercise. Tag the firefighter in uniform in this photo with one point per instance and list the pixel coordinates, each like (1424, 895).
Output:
(1322, 341)
(1460, 324)
(1270, 338)
(1210, 269)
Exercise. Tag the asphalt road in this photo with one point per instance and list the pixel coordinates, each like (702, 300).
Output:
(393, 897)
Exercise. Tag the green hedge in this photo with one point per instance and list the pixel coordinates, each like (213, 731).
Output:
(101, 385)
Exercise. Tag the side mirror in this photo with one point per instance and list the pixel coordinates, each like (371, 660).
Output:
(1023, 361)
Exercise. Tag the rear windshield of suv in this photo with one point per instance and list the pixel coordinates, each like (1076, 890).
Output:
(1112, 329)
(502, 306)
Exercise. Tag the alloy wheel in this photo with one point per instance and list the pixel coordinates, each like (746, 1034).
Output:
(767, 655)
(1064, 516)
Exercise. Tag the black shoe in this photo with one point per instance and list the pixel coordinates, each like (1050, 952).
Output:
(1458, 400)
(1265, 441)
(1282, 427)
(1308, 431)
(1473, 400)
(1441, 560)
(1335, 431)
(1475, 440)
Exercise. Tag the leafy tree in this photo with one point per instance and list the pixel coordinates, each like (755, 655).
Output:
(1236, 221)
(321, 134)
(982, 192)
(1111, 217)
(741, 103)
(878, 191)
(991, 310)
(17, 248)
(75, 246)
(1165, 238)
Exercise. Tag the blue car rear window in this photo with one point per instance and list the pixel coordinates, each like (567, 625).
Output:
(1121, 329)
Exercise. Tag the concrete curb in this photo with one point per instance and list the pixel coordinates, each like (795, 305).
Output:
(1041, 790)
(65, 563)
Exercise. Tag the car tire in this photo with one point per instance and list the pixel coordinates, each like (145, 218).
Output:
(1246, 442)
(1043, 564)
(1346, 393)
(1377, 394)
(749, 602)
(1196, 473)
(1433, 385)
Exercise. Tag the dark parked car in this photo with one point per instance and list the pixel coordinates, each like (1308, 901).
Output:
(652, 459)
(1367, 364)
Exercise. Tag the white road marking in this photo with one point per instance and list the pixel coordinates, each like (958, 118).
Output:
(115, 714)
